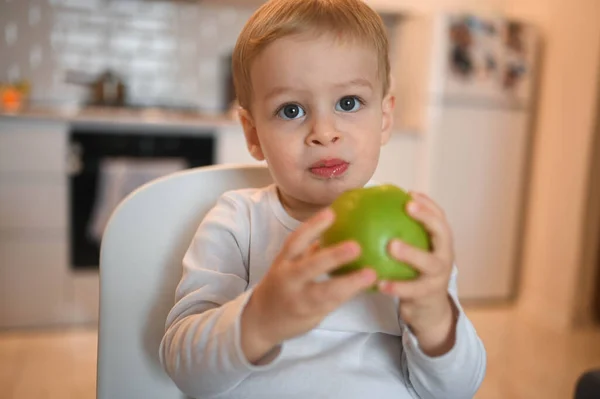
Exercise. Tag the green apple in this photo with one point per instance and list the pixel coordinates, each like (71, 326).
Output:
(373, 216)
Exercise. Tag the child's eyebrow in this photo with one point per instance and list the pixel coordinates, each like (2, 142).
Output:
(354, 82)
(278, 91)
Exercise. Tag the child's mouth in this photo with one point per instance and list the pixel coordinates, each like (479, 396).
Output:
(329, 168)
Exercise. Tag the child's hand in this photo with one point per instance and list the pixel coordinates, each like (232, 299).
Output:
(288, 302)
(425, 304)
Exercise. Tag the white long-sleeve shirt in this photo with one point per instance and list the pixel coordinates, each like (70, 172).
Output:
(361, 350)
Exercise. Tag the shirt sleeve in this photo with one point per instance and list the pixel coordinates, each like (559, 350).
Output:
(201, 348)
(454, 375)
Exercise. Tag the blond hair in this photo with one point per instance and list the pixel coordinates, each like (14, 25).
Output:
(351, 19)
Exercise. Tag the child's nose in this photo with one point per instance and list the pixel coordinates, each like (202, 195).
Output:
(323, 133)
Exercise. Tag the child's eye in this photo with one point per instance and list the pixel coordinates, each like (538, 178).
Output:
(348, 104)
(291, 111)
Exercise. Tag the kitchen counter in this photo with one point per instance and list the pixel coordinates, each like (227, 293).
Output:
(126, 119)
(147, 119)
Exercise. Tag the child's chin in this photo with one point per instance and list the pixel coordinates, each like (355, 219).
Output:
(324, 195)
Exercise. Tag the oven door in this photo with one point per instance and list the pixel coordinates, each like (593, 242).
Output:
(112, 165)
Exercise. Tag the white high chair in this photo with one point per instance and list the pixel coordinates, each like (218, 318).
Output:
(140, 266)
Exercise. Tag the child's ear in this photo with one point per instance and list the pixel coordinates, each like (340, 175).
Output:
(387, 119)
(252, 141)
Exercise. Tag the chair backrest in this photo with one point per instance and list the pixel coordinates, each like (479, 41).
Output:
(140, 266)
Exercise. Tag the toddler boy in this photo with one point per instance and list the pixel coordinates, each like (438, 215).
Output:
(254, 315)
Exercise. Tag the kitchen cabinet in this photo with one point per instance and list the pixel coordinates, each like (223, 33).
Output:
(33, 147)
(32, 284)
(38, 286)
(33, 222)
(33, 203)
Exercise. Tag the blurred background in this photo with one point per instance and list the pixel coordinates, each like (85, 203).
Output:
(498, 119)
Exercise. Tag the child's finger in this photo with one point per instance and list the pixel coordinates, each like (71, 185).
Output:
(312, 249)
(306, 234)
(338, 290)
(428, 202)
(441, 237)
(421, 260)
(406, 290)
(325, 261)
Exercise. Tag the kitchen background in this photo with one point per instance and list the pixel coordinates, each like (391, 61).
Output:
(148, 82)
(167, 53)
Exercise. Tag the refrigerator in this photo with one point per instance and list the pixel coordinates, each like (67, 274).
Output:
(465, 84)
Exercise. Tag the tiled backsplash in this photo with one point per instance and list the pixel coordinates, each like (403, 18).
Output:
(167, 52)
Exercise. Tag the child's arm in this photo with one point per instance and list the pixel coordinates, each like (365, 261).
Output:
(458, 372)
(201, 347)
(217, 334)
(443, 356)
(289, 301)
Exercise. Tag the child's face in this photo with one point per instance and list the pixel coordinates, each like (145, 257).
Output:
(318, 116)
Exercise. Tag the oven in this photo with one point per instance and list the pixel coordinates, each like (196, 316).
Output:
(110, 162)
